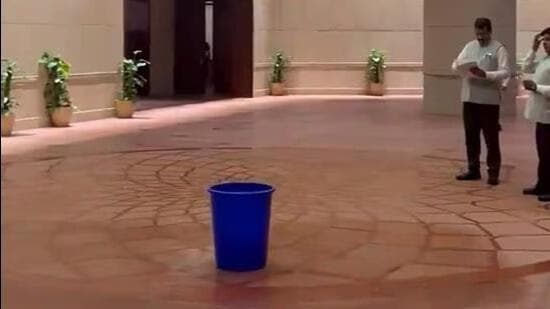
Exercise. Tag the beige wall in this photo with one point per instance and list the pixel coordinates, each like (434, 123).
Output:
(327, 40)
(87, 33)
(447, 28)
(533, 16)
(266, 14)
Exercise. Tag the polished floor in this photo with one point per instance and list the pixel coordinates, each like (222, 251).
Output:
(114, 213)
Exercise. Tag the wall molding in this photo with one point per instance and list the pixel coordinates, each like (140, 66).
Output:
(406, 66)
(346, 66)
(32, 81)
(522, 94)
(442, 75)
(78, 116)
(261, 92)
(339, 91)
(349, 91)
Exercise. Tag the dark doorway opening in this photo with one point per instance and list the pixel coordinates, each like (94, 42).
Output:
(225, 61)
(212, 45)
(233, 47)
(137, 31)
(189, 38)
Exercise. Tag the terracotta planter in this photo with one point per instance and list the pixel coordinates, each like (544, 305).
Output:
(278, 89)
(61, 116)
(375, 89)
(124, 109)
(7, 124)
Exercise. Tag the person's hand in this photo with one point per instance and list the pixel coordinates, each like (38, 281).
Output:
(478, 72)
(530, 85)
(536, 42)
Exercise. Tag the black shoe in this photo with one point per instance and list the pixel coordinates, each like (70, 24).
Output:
(544, 198)
(493, 181)
(469, 176)
(531, 191)
(493, 177)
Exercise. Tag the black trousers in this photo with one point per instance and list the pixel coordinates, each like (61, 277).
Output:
(482, 118)
(543, 150)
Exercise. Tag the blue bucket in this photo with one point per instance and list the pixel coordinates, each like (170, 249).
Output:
(240, 221)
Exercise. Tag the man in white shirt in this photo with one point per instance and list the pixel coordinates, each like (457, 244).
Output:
(538, 110)
(481, 97)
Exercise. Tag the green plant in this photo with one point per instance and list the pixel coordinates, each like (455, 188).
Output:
(55, 93)
(376, 65)
(8, 102)
(131, 79)
(280, 62)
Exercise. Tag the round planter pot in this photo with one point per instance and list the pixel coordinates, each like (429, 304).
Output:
(8, 121)
(61, 116)
(278, 89)
(124, 109)
(376, 89)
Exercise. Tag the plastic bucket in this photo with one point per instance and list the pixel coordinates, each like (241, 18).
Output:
(240, 223)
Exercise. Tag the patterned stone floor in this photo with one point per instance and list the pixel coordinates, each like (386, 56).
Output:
(124, 221)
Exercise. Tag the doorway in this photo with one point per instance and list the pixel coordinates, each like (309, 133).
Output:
(137, 34)
(213, 48)
(233, 47)
(210, 51)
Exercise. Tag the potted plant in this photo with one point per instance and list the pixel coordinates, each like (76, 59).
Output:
(131, 80)
(277, 72)
(56, 94)
(8, 103)
(375, 72)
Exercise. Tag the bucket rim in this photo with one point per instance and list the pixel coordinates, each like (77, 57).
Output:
(218, 188)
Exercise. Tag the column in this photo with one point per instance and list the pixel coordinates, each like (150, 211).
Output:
(448, 25)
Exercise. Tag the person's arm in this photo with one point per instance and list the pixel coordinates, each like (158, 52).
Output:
(460, 57)
(529, 64)
(544, 90)
(503, 71)
(505, 83)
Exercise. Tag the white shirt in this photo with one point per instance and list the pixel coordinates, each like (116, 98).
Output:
(538, 105)
(493, 59)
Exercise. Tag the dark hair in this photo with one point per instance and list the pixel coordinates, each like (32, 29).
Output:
(483, 23)
(545, 31)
